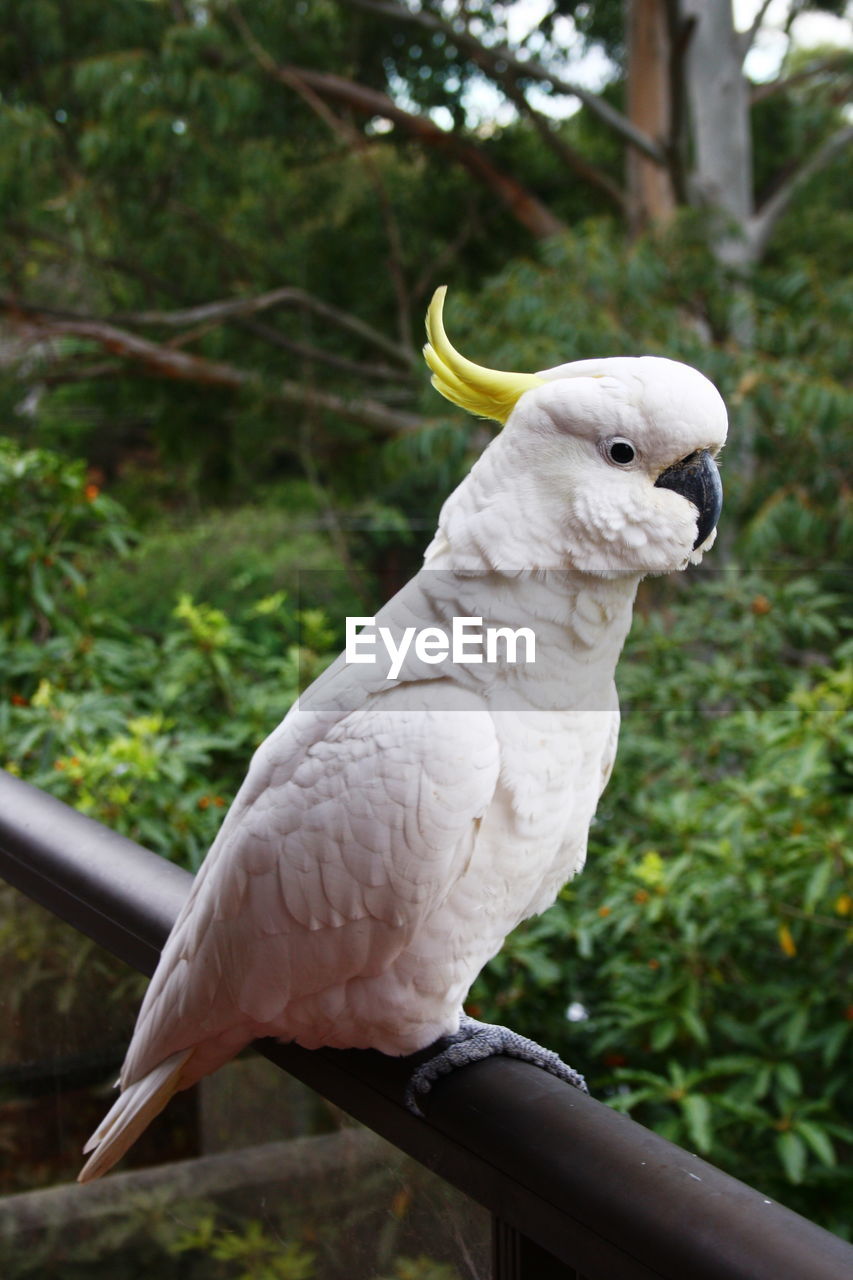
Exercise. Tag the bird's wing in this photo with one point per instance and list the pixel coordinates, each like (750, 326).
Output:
(324, 867)
(608, 758)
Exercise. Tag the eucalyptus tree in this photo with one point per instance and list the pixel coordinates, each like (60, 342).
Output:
(218, 211)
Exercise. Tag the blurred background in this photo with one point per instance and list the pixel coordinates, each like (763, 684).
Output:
(221, 226)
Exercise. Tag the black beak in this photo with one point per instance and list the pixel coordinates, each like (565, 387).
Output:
(697, 479)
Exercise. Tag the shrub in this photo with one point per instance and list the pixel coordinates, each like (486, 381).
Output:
(696, 970)
(54, 520)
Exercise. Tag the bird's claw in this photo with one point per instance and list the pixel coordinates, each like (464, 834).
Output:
(475, 1041)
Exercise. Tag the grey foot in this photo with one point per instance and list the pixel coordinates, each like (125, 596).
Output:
(475, 1041)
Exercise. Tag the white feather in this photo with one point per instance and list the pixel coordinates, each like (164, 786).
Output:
(389, 835)
(130, 1114)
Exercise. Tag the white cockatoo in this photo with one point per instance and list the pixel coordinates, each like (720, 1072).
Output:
(410, 810)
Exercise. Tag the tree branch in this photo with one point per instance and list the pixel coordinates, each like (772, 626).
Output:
(63, 372)
(359, 368)
(158, 361)
(284, 296)
(435, 268)
(837, 62)
(762, 223)
(746, 39)
(566, 154)
(682, 28)
(355, 140)
(524, 206)
(502, 61)
(33, 234)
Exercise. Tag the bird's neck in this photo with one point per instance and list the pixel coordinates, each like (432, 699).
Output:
(493, 557)
(596, 611)
(484, 526)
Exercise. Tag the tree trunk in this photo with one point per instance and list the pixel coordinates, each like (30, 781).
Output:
(651, 196)
(718, 96)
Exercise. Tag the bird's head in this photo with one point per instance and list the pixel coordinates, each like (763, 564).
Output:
(610, 461)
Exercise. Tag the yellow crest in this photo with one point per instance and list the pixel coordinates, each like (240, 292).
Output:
(490, 393)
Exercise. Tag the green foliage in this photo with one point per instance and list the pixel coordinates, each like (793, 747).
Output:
(817, 232)
(53, 518)
(377, 1219)
(236, 557)
(252, 1253)
(117, 122)
(117, 202)
(147, 1235)
(697, 969)
(69, 999)
(133, 727)
(151, 734)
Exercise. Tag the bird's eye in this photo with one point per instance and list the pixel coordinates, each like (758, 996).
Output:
(620, 451)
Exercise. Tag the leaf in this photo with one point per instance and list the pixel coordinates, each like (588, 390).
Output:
(789, 1078)
(584, 942)
(792, 1155)
(650, 869)
(786, 941)
(796, 1029)
(697, 1115)
(817, 885)
(695, 1026)
(627, 1101)
(663, 1035)
(835, 1040)
(544, 970)
(40, 592)
(819, 1141)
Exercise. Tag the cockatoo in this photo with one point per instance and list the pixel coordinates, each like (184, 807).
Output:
(395, 828)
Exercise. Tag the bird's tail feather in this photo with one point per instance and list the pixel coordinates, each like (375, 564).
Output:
(132, 1112)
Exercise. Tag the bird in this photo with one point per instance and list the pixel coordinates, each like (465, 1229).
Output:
(406, 815)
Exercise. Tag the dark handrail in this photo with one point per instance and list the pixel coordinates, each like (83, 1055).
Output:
(561, 1172)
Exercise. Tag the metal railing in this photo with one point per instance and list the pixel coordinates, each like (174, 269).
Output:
(574, 1188)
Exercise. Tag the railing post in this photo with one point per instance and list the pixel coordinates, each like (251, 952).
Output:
(516, 1257)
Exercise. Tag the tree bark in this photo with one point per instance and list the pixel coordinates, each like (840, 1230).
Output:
(156, 360)
(718, 96)
(285, 296)
(651, 195)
